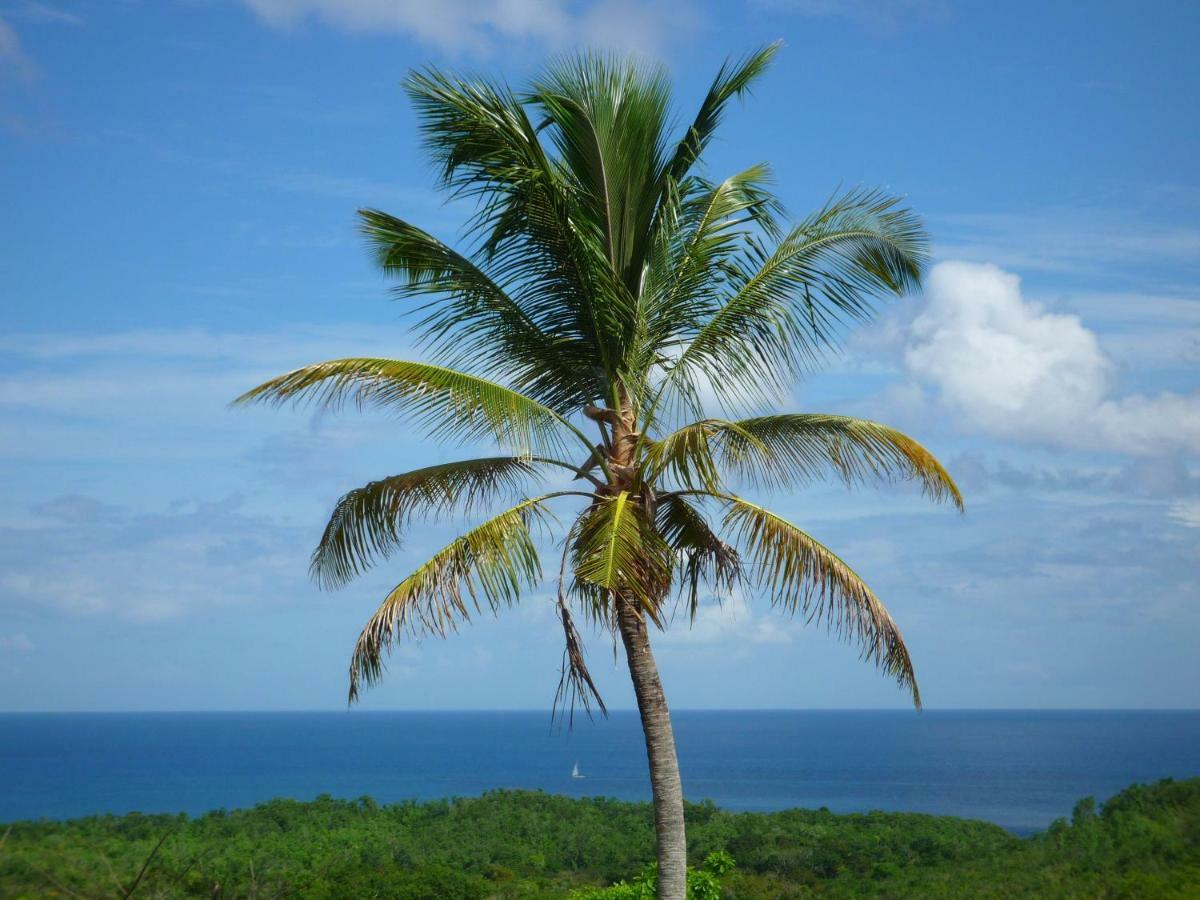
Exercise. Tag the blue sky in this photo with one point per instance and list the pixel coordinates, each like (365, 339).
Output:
(179, 182)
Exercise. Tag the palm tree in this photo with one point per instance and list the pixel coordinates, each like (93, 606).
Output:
(609, 286)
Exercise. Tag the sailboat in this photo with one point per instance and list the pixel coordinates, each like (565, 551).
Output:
(575, 773)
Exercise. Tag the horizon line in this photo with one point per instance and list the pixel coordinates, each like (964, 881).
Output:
(600, 717)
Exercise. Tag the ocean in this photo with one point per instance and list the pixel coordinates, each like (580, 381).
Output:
(1019, 769)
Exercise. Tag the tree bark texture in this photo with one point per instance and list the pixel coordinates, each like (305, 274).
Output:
(660, 750)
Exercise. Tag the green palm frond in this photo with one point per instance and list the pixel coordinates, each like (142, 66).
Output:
(785, 450)
(471, 322)
(450, 405)
(488, 566)
(789, 304)
(607, 117)
(617, 549)
(702, 557)
(528, 211)
(368, 522)
(801, 575)
(732, 81)
(710, 226)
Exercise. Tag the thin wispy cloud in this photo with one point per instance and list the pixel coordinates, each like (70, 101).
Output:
(15, 63)
(30, 11)
(879, 14)
(1102, 243)
(483, 28)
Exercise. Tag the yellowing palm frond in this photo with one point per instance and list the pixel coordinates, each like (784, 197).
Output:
(368, 522)
(489, 565)
(803, 575)
(790, 449)
(618, 549)
(450, 405)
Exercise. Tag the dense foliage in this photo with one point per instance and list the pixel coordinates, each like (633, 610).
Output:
(1145, 842)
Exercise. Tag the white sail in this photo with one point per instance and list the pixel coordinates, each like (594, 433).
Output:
(575, 773)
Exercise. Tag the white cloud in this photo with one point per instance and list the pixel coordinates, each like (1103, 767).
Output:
(1011, 369)
(1186, 513)
(482, 26)
(732, 621)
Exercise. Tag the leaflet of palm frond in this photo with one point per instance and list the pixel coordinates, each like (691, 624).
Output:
(526, 204)
(479, 316)
(575, 684)
(683, 283)
(488, 567)
(618, 549)
(368, 522)
(782, 451)
(801, 575)
(702, 557)
(733, 80)
(450, 405)
(787, 302)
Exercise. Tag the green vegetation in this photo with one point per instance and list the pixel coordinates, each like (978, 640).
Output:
(1145, 842)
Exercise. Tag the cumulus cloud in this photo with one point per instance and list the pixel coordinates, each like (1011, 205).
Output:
(482, 26)
(1014, 370)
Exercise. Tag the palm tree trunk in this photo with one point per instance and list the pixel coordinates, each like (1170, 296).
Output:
(660, 749)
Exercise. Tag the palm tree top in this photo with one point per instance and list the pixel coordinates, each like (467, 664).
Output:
(616, 312)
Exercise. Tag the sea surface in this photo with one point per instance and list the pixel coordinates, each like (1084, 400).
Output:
(1020, 770)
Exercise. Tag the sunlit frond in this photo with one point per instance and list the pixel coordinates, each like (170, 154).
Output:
(784, 451)
(606, 115)
(683, 285)
(368, 522)
(732, 81)
(488, 566)
(790, 302)
(618, 548)
(801, 575)
(450, 405)
(702, 557)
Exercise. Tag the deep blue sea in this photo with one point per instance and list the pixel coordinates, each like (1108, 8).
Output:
(1020, 770)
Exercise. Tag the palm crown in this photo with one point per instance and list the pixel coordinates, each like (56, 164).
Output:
(608, 294)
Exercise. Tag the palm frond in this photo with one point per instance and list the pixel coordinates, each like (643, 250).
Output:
(529, 216)
(618, 549)
(575, 683)
(702, 557)
(785, 450)
(788, 305)
(732, 81)
(368, 522)
(472, 322)
(801, 575)
(488, 566)
(710, 226)
(451, 405)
